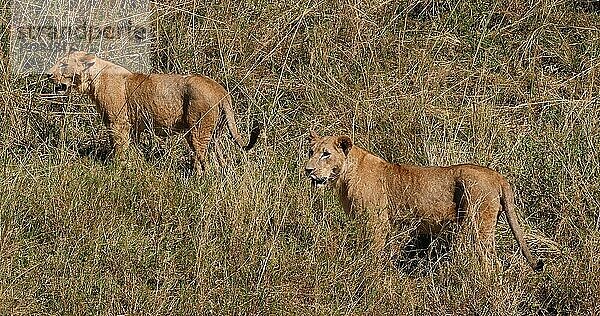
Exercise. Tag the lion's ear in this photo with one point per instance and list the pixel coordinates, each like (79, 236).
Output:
(345, 143)
(313, 137)
(88, 60)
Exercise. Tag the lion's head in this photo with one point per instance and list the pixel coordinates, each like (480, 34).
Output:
(68, 71)
(327, 156)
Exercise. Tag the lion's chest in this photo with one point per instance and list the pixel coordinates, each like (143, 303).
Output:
(367, 191)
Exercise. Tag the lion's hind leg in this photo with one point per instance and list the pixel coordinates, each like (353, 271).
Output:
(199, 145)
(483, 207)
(199, 137)
(216, 143)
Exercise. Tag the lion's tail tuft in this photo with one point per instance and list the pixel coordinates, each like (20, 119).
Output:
(230, 119)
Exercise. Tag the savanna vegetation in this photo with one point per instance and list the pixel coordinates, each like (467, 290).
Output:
(508, 84)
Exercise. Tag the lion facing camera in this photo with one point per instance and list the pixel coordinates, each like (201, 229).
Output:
(392, 195)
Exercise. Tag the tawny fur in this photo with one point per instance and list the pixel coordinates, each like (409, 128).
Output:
(131, 102)
(390, 195)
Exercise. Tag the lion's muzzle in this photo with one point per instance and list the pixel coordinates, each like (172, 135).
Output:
(61, 84)
(318, 182)
(314, 179)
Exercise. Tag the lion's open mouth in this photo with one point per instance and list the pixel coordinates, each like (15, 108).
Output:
(60, 88)
(318, 182)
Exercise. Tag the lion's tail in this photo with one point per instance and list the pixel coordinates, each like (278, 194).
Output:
(508, 204)
(230, 119)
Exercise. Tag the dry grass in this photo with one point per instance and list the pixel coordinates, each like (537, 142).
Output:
(508, 84)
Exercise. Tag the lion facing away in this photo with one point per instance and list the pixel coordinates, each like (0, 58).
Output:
(131, 102)
(392, 195)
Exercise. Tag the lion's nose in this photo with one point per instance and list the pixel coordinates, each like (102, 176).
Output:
(308, 171)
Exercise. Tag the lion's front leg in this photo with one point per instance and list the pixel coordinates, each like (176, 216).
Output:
(116, 119)
(378, 226)
(120, 138)
(401, 236)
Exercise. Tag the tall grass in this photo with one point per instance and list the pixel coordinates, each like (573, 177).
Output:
(512, 85)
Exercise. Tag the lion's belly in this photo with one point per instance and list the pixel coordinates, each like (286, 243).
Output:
(432, 220)
(156, 100)
(429, 218)
(158, 112)
(431, 205)
(167, 113)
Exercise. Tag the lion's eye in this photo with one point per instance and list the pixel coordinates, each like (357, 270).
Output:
(325, 155)
(310, 152)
